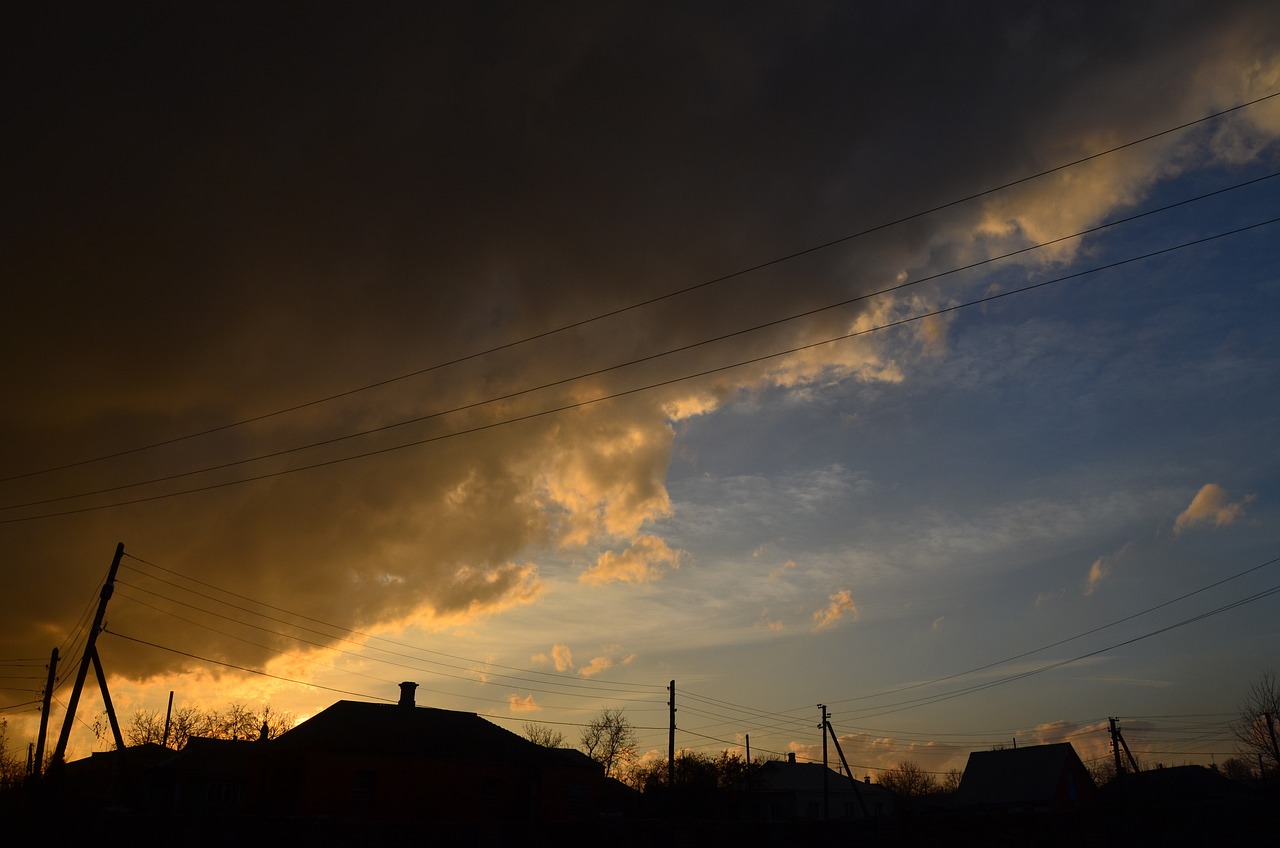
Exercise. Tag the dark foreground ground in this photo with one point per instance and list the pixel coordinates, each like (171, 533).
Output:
(1252, 822)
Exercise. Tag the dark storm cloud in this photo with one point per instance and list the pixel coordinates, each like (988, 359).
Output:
(211, 216)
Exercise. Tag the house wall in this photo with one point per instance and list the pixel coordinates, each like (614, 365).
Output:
(410, 788)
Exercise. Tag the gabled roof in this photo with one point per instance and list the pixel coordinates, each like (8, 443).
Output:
(778, 776)
(408, 731)
(208, 755)
(1032, 774)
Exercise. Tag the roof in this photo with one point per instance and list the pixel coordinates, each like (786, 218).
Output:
(211, 756)
(779, 776)
(137, 758)
(395, 730)
(1176, 783)
(1031, 774)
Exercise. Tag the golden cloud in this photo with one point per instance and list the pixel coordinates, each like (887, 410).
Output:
(1211, 505)
(562, 657)
(1098, 572)
(596, 666)
(644, 561)
(782, 569)
(841, 604)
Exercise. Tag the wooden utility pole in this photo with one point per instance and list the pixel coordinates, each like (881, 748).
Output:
(1115, 746)
(168, 714)
(44, 712)
(853, 781)
(826, 792)
(91, 657)
(671, 740)
(1118, 743)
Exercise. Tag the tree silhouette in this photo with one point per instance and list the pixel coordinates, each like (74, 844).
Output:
(610, 740)
(540, 734)
(908, 781)
(236, 722)
(1256, 727)
(11, 768)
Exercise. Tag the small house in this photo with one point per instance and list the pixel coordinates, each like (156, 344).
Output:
(1026, 779)
(792, 791)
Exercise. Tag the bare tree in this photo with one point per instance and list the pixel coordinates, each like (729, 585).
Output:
(277, 721)
(540, 734)
(908, 781)
(189, 721)
(236, 722)
(951, 780)
(146, 727)
(1238, 769)
(1102, 770)
(610, 740)
(1256, 727)
(12, 769)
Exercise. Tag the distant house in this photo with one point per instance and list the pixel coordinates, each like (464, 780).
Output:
(106, 779)
(358, 762)
(400, 762)
(1026, 779)
(792, 791)
(1176, 785)
(208, 777)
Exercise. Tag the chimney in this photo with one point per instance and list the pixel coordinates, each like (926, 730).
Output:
(406, 693)
(791, 757)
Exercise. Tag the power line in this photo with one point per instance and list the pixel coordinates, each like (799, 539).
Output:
(470, 679)
(929, 700)
(245, 669)
(636, 361)
(1098, 629)
(597, 685)
(659, 298)
(919, 702)
(654, 385)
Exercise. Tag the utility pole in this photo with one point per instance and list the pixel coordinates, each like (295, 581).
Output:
(853, 781)
(44, 712)
(91, 657)
(826, 792)
(671, 740)
(1118, 743)
(168, 714)
(1115, 746)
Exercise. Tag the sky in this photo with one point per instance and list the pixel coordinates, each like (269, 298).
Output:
(912, 359)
